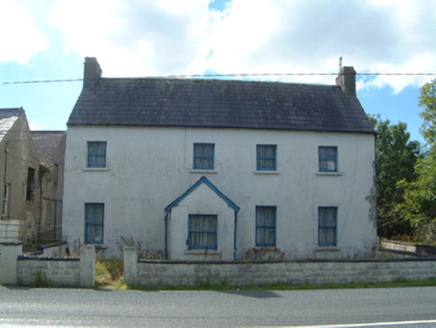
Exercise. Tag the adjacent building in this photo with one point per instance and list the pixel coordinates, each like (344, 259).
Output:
(19, 171)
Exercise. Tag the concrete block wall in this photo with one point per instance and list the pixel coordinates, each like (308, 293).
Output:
(159, 273)
(48, 271)
(16, 269)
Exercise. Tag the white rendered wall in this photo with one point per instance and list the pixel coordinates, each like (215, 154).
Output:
(148, 168)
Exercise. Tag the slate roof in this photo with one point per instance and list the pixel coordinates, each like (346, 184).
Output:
(46, 142)
(8, 116)
(158, 102)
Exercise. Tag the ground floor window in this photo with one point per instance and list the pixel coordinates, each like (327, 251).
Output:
(327, 221)
(94, 223)
(265, 226)
(202, 232)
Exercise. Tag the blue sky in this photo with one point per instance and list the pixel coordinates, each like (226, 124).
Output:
(48, 40)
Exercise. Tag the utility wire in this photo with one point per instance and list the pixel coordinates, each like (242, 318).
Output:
(223, 75)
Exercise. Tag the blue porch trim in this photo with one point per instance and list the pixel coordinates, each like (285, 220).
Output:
(206, 181)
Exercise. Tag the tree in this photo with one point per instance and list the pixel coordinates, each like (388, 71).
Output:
(419, 206)
(427, 99)
(396, 159)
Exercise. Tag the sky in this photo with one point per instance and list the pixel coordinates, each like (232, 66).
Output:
(47, 40)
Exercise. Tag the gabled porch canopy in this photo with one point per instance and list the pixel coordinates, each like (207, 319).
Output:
(187, 197)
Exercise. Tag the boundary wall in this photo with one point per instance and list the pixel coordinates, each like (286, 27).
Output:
(16, 269)
(311, 271)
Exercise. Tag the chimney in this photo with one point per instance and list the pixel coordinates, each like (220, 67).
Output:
(347, 80)
(92, 71)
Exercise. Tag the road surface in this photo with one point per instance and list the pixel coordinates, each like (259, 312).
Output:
(402, 307)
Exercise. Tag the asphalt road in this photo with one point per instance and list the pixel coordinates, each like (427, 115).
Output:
(410, 307)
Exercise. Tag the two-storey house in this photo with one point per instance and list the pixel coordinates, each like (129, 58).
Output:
(193, 169)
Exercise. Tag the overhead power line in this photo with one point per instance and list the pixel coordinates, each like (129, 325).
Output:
(224, 75)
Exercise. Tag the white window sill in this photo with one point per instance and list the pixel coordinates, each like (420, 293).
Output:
(332, 174)
(203, 252)
(328, 249)
(202, 171)
(97, 169)
(267, 172)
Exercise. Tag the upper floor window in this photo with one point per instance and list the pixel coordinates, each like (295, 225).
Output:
(202, 232)
(204, 154)
(266, 156)
(96, 154)
(327, 222)
(94, 223)
(328, 159)
(265, 226)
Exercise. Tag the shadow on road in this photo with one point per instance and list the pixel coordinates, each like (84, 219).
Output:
(251, 293)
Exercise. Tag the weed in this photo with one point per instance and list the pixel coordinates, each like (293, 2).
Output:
(41, 280)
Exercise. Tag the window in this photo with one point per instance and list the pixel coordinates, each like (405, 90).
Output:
(204, 156)
(30, 183)
(96, 154)
(328, 159)
(6, 192)
(55, 173)
(327, 219)
(94, 223)
(266, 157)
(265, 226)
(202, 232)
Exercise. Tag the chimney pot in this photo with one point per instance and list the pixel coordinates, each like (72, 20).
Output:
(347, 81)
(92, 72)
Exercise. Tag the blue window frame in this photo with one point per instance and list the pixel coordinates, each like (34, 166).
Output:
(266, 157)
(202, 233)
(204, 156)
(94, 223)
(328, 159)
(96, 154)
(265, 226)
(327, 224)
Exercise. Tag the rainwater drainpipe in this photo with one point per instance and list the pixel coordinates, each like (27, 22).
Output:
(166, 234)
(235, 237)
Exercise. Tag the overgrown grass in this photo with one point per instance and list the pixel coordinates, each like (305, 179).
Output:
(109, 274)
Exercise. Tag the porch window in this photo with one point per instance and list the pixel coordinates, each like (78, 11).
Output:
(202, 232)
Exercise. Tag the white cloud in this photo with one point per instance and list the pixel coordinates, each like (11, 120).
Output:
(160, 37)
(20, 40)
(132, 38)
(310, 36)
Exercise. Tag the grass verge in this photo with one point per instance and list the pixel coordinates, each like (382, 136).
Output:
(283, 286)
